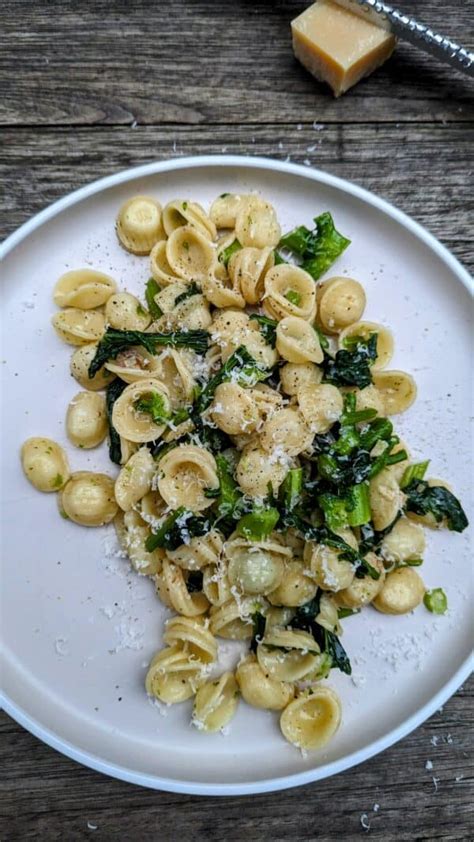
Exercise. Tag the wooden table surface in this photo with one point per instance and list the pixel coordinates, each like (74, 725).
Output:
(92, 88)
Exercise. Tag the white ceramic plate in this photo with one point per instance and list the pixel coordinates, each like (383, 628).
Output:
(79, 628)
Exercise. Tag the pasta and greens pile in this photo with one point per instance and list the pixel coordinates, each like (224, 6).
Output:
(262, 485)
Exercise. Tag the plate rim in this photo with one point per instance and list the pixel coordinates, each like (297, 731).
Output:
(447, 690)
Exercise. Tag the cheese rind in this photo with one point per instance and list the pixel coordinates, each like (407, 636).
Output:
(337, 46)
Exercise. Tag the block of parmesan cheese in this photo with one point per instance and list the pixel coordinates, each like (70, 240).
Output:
(337, 46)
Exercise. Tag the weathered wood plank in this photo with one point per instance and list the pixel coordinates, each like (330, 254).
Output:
(175, 61)
(421, 168)
(47, 796)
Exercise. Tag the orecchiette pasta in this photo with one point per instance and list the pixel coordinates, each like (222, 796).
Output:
(86, 420)
(139, 224)
(289, 291)
(180, 213)
(259, 689)
(88, 499)
(45, 464)
(83, 288)
(297, 341)
(341, 301)
(215, 703)
(184, 476)
(135, 423)
(80, 362)
(257, 484)
(173, 676)
(124, 312)
(132, 533)
(402, 591)
(190, 254)
(79, 327)
(135, 479)
(365, 330)
(256, 224)
(397, 389)
(310, 720)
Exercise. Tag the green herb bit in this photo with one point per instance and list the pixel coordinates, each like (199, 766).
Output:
(436, 601)
(278, 259)
(259, 623)
(114, 341)
(267, 327)
(323, 340)
(293, 297)
(177, 529)
(335, 511)
(191, 289)
(194, 581)
(291, 489)
(342, 613)
(239, 367)
(113, 391)
(359, 511)
(318, 248)
(152, 289)
(227, 253)
(423, 499)
(411, 562)
(257, 525)
(154, 405)
(415, 471)
(352, 368)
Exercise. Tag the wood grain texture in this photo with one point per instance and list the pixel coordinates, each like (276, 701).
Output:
(202, 61)
(204, 77)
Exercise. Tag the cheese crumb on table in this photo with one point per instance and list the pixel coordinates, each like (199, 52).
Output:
(337, 46)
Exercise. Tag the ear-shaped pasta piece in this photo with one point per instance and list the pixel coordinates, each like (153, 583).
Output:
(135, 479)
(254, 567)
(256, 469)
(173, 676)
(173, 370)
(399, 468)
(365, 330)
(229, 326)
(137, 424)
(79, 367)
(86, 420)
(266, 399)
(233, 620)
(192, 634)
(190, 254)
(286, 432)
(134, 364)
(404, 542)
(78, 327)
(295, 588)
(225, 208)
(312, 718)
(132, 533)
(362, 591)
(247, 269)
(125, 312)
(159, 266)
(171, 589)
(321, 406)
(139, 224)
(199, 553)
(184, 475)
(402, 591)
(233, 409)
(193, 313)
(166, 297)
(289, 291)
(180, 213)
(293, 376)
(328, 616)
(278, 615)
(45, 464)
(329, 571)
(259, 689)
(88, 499)
(215, 584)
(369, 398)
(83, 288)
(288, 654)
(256, 224)
(221, 291)
(152, 508)
(385, 498)
(297, 341)
(127, 449)
(215, 703)
(397, 389)
(341, 301)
